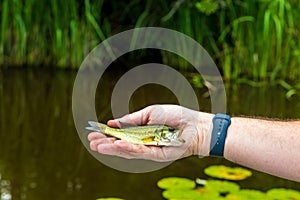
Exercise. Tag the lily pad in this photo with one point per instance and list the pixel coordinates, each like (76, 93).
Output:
(283, 194)
(187, 194)
(176, 183)
(109, 198)
(208, 194)
(247, 194)
(222, 187)
(228, 173)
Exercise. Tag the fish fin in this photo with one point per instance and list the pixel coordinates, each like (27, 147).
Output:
(126, 125)
(153, 143)
(148, 139)
(96, 126)
(90, 128)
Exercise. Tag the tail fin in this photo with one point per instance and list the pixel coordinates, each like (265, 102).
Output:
(96, 126)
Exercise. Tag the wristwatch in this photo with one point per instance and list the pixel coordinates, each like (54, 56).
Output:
(221, 123)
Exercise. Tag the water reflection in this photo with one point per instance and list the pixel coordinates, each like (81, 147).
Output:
(42, 157)
(5, 189)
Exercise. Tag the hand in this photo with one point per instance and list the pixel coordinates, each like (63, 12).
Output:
(195, 128)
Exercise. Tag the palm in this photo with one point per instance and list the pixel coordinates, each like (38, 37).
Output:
(171, 115)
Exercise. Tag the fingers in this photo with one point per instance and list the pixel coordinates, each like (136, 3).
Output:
(97, 138)
(125, 150)
(133, 148)
(94, 144)
(115, 147)
(95, 135)
(112, 146)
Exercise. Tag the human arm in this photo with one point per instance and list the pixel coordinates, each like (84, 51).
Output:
(265, 145)
(270, 146)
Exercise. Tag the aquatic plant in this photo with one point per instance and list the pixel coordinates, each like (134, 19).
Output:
(181, 194)
(184, 188)
(249, 40)
(283, 194)
(109, 198)
(228, 173)
(247, 194)
(222, 187)
(176, 183)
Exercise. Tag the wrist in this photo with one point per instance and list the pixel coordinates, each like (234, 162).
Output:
(204, 129)
(233, 140)
(221, 122)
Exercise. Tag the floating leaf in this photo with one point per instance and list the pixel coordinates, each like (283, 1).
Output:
(247, 195)
(283, 194)
(182, 194)
(228, 173)
(109, 198)
(175, 183)
(222, 187)
(208, 194)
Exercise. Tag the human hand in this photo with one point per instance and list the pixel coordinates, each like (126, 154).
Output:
(195, 128)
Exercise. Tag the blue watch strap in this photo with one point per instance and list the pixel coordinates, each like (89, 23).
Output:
(221, 123)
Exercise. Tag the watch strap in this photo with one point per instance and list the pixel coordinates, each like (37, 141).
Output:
(221, 123)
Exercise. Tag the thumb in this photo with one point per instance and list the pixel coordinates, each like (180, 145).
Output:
(140, 117)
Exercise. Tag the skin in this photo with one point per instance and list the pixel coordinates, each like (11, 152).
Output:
(265, 145)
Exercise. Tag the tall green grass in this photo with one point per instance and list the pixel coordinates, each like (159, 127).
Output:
(56, 33)
(254, 40)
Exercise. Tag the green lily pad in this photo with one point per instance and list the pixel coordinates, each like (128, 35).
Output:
(228, 173)
(222, 187)
(247, 194)
(109, 198)
(176, 183)
(208, 194)
(187, 194)
(283, 194)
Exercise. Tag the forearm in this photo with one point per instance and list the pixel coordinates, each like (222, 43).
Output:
(269, 146)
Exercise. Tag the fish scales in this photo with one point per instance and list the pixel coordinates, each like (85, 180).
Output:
(147, 135)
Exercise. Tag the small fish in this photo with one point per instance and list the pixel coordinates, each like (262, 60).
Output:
(157, 135)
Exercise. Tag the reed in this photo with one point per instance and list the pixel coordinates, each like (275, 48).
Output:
(255, 40)
(4, 28)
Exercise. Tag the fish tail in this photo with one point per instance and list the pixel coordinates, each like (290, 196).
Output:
(96, 126)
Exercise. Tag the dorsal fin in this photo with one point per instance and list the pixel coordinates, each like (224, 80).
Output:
(126, 125)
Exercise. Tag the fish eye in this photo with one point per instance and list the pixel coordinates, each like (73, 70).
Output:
(171, 129)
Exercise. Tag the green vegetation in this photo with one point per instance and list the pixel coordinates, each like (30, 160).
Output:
(249, 40)
(176, 182)
(282, 193)
(228, 173)
(176, 188)
(247, 194)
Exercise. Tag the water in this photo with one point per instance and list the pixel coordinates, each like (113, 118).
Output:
(42, 157)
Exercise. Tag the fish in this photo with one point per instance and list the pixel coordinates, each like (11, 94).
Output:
(155, 134)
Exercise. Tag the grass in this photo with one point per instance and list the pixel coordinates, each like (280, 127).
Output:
(254, 40)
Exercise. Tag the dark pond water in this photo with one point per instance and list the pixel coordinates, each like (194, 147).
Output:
(42, 157)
